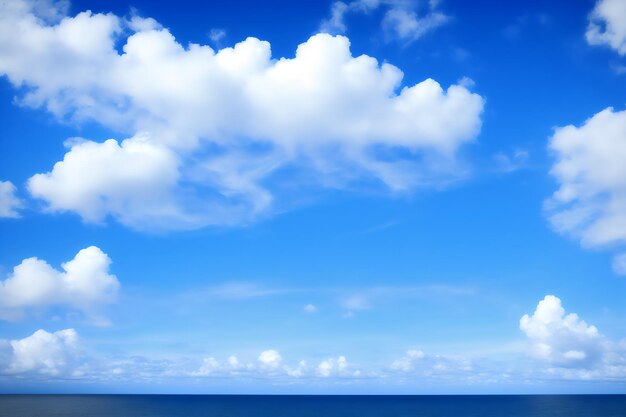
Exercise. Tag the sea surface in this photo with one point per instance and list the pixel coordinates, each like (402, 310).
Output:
(311, 406)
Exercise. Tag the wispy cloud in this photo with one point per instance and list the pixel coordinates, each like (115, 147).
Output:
(239, 291)
(366, 298)
(507, 162)
(403, 20)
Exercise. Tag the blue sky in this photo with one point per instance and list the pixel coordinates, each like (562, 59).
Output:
(398, 208)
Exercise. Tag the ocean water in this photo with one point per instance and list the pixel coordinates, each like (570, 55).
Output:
(311, 406)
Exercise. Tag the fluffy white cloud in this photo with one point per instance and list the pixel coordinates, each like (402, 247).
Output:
(270, 358)
(133, 181)
(84, 283)
(607, 25)
(560, 338)
(401, 20)
(50, 354)
(571, 348)
(590, 203)
(221, 125)
(9, 203)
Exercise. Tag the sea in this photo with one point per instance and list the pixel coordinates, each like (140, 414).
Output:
(312, 406)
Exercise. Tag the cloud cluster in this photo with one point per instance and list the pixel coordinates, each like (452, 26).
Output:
(84, 284)
(569, 347)
(590, 203)
(417, 363)
(607, 25)
(43, 353)
(212, 367)
(401, 19)
(270, 364)
(9, 202)
(213, 136)
(336, 367)
(572, 348)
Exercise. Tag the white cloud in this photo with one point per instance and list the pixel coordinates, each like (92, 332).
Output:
(336, 23)
(407, 362)
(590, 203)
(270, 358)
(132, 181)
(139, 24)
(222, 125)
(84, 283)
(51, 354)
(209, 367)
(406, 25)
(607, 25)
(559, 338)
(299, 371)
(334, 367)
(270, 365)
(234, 363)
(571, 348)
(418, 363)
(401, 19)
(9, 202)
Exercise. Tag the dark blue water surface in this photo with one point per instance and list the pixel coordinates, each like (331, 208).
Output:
(313, 406)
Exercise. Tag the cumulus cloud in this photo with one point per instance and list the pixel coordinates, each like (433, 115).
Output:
(221, 126)
(401, 19)
(558, 337)
(84, 284)
(572, 348)
(270, 358)
(132, 181)
(9, 202)
(336, 367)
(50, 354)
(607, 25)
(590, 204)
